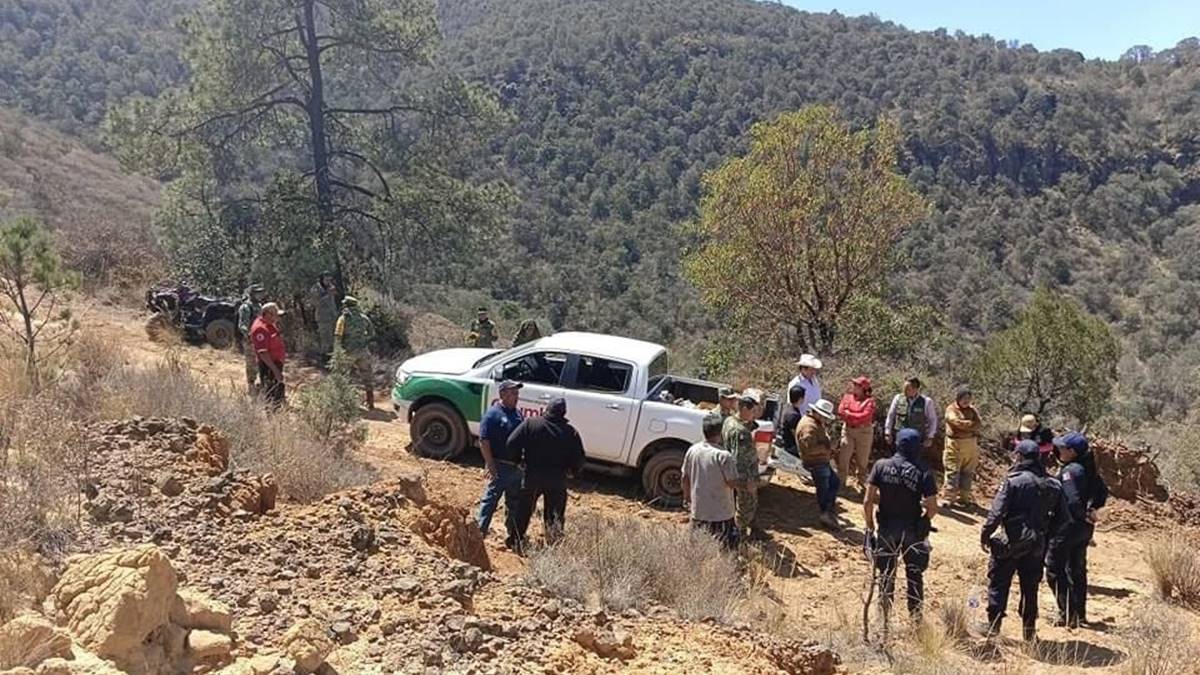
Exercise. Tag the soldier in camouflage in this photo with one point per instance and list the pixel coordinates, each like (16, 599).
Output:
(737, 436)
(248, 310)
(483, 331)
(353, 335)
(323, 297)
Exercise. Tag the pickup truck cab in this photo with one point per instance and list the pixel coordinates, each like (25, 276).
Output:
(633, 416)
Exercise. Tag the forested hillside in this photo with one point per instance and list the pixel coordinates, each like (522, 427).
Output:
(1043, 168)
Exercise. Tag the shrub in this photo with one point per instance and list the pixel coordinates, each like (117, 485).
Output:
(262, 441)
(1176, 569)
(391, 325)
(626, 562)
(330, 406)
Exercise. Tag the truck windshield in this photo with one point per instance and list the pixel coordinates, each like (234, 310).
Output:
(657, 371)
(491, 358)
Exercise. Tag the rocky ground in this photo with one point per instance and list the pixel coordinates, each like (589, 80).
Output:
(383, 578)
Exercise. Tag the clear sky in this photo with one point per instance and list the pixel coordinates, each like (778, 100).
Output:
(1100, 28)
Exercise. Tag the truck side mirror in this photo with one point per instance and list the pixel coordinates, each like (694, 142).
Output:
(497, 373)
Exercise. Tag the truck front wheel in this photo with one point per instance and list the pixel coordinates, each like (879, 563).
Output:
(439, 432)
(662, 477)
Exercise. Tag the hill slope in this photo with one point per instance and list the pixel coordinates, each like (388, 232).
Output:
(102, 215)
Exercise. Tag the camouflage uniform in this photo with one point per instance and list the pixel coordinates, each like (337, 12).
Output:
(353, 334)
(738, 438)
(247, 312)
(483, 333)
(326, 313)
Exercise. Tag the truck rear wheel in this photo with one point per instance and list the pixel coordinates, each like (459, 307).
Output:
(662, 477)
(439, 432)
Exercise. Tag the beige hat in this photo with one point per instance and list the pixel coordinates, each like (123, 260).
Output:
(823, 408)
(1028, 424)
(272, 308)
(808, 361)
(755, 396)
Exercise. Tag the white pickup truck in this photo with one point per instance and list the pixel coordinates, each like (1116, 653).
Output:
(633, 416)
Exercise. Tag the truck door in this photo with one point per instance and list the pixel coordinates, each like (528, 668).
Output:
(541, 372)
(599, 405)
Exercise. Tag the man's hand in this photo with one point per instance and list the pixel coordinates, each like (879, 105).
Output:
(490, 469)
(1091, 516)
(983, 544)
(889, 439)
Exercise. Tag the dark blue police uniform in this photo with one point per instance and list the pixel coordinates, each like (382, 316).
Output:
(1066, 556)
(903, 483)
(1030, 507)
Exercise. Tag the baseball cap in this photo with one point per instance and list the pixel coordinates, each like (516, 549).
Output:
(712, 423)
(1028, 424)
(1028, 449)
(271, 307)
(751, 396)
(557, 407)
(255, 288)
(862, 381)
(349, 301)
(1072, 440)
(510, 384)
(727, 392)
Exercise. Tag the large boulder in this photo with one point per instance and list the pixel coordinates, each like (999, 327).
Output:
(29, 639)
(111, 602)
(308, 644)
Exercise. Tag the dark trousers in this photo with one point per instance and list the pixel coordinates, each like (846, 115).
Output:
(893, 546)
(270, 387)
(1028, 569)
(554, 507)
(1066, 571)
(826, 480)
(724, 531)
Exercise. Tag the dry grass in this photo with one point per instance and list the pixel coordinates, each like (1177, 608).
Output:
(622, 562)
(1176, 569)
(24, 581)
(306, 467)
(1162, 641)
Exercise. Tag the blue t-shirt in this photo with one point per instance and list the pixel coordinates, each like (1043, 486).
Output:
(498, 422)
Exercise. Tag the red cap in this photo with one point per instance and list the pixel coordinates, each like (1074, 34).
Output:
(862, 381)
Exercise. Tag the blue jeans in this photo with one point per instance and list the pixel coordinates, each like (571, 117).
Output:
(507, 483)
(827, 483)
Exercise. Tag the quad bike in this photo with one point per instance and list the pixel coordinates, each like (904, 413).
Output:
(200, 318)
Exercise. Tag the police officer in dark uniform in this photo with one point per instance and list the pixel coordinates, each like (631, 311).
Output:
(905, 492)
(1066, 557)
(1031, 508)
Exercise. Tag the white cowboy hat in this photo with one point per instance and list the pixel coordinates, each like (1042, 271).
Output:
(823, 408)
(808, 361)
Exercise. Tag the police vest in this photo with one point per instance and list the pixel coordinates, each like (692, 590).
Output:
(911, 414)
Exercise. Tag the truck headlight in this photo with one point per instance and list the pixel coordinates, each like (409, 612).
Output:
(401, 377)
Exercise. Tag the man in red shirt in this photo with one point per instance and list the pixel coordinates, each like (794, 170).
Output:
(271, 352)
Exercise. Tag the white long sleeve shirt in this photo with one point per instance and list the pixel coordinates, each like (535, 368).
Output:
(812, 392)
